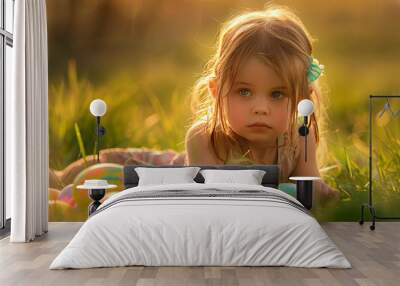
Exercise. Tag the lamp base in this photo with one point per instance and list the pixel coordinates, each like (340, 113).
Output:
(96, 195)
(305, 193)
(304, 190)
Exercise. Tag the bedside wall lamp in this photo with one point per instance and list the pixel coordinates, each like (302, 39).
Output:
(305, 108)
(98, 108)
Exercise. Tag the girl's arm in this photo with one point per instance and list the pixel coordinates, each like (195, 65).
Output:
(324, 192)
(198, 147)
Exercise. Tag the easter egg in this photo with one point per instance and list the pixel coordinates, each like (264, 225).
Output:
(288, 188)
(53, 194)
(66, 196)
(59, 211)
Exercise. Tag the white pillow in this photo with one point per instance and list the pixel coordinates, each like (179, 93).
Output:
(162, 176)
(249, 177)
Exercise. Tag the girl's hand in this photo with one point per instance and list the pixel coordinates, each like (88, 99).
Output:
(324, 194)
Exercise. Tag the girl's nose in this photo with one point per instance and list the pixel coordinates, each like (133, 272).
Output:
(260, 112)
(261, 106)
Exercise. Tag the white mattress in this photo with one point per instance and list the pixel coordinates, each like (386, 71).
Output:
(183, 231)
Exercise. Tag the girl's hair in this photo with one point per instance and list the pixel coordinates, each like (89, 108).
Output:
(277, 37)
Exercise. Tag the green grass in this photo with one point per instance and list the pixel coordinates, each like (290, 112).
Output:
(349, 155)
(136, 117)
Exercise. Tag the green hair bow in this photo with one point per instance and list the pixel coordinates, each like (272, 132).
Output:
(314, 70)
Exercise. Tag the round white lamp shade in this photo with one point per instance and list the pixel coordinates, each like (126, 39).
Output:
(305, 107)
(98, 107)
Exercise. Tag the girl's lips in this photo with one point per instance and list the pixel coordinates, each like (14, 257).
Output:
(259, 125)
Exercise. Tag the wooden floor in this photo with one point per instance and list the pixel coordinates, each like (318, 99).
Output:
(374, 255)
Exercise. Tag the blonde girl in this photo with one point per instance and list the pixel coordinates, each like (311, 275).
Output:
(246, 100)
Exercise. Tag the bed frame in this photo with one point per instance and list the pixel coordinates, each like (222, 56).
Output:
(270, 179)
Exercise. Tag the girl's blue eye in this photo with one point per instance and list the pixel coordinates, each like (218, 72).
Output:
(244, 92)
(277, 95)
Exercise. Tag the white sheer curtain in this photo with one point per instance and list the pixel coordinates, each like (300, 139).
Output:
(27, 124)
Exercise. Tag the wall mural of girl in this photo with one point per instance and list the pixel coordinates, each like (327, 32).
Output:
(248, 96)
(145, 59)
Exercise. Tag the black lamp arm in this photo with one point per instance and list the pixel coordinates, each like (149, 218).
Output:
(303, 131)
(100, 131)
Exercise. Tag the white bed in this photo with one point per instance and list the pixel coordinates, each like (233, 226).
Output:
(270, 229)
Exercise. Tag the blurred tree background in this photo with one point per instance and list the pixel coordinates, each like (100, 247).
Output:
(142, 58)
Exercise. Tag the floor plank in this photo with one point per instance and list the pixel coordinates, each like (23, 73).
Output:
(375, 257)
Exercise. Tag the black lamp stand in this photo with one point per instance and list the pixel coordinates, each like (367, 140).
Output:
(96, 195)
(370, 205)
